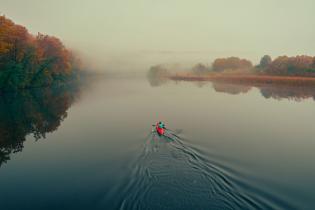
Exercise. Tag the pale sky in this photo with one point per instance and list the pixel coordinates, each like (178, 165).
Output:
(195, 30)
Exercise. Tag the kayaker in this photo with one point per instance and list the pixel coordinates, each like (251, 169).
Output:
(160, 128)
(161, 125)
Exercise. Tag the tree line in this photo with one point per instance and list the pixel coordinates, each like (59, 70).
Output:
(32, 61)
(302, 65)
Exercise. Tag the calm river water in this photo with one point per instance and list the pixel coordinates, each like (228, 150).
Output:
(229, 147)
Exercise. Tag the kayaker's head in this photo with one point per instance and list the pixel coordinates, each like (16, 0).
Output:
(161, 125)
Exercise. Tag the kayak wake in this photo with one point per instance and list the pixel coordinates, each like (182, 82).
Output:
(172, 173)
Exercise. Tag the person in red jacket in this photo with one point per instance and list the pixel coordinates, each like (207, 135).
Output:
(160, 128)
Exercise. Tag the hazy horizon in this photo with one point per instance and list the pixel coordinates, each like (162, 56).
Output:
(133, 35)
(152, 119)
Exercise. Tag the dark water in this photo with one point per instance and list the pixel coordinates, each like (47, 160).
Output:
(231, 147)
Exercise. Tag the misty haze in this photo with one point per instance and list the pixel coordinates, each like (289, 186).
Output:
(157, 104)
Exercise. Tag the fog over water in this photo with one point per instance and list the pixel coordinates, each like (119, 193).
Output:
(114, 34)
(90, 144)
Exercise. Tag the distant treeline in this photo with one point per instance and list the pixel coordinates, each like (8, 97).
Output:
(157, 75)
(282, 66)
(32, 61)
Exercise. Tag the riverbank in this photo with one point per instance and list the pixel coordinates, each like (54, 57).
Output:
(247, 79)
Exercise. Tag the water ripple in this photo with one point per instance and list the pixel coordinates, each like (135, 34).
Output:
(172, 173)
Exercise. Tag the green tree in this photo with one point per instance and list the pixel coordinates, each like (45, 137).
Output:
(265, 61)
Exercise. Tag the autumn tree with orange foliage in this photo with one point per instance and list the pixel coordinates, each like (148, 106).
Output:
(302, 65)
(31, 61)
(231, 63)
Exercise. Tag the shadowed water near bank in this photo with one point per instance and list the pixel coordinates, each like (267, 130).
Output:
(35, 112)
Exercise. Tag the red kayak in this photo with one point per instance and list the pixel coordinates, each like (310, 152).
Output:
(159, 130)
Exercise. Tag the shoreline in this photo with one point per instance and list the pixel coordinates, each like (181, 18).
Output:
(249, 79)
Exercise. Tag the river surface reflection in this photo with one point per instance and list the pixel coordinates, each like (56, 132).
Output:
(296, 93)
(33, 112)
(230, 146)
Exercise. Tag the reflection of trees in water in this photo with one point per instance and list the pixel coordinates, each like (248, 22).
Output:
(35, 112)
(289, 92)
(296, 93)
(199, 84)
(230, 88)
